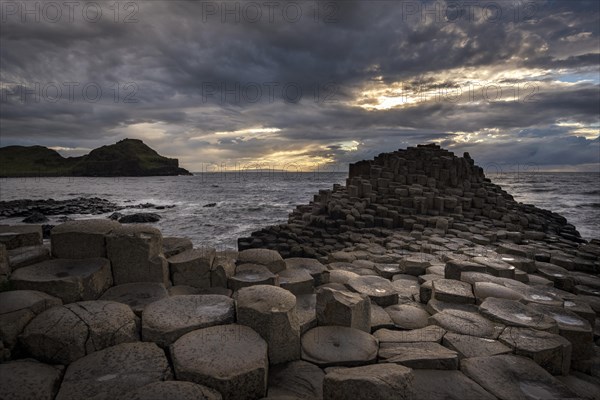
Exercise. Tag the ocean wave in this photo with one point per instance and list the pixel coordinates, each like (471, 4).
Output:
(591, 192)
(588, 205)
(542, 190)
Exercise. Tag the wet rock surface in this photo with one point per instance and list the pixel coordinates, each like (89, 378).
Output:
(418, 279)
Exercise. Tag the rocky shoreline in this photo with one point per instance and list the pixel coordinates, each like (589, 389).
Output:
(418, 279)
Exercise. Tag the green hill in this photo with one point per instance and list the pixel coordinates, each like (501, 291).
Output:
(129, 157)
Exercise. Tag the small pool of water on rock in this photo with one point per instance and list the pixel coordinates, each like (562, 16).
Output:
(537, 390)
(565, 319)
(107, 377)
(540, 297)
(523, 317)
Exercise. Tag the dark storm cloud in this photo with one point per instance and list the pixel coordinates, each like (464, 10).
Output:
(180, 69)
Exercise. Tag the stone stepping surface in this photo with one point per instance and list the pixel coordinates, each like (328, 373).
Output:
(136, 295)
(455, 268)
(552, 352)
(387, 271)
(69, 280)
(297, 281)
(24, 256)
(306, 305)
(467, 323)
(29, 379)
(483, 290)
(522, 264)
(172, 245)
(540, 296)
(435, 306)
(560, 276)
(582, 385)
(164, 321)
(408, 316)
(66, 333)
(582, 309)
(338, 346)
(296, 379)
(18, 308)
(419, 355)
(430, 333)
(343, 308)
(271, 312)
(112, 372)
(223, 268)
(472, 346)
(171, 390)
(357, 269)
(571, 326)
(81, 238)
(192, 267)
(231, 359)
(416, 263)
(269, 258)
(380, 318)
(341, 276)
(513, 313)
(448, 385)
(511, 377)
(379, 290)
(183, 290)
(318, 271)
(496, 267)
(135, 253)
(380, 381)
(247, 275)
(15, 236)
(452, 291)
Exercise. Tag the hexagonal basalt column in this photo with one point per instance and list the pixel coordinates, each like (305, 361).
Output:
(271, 311)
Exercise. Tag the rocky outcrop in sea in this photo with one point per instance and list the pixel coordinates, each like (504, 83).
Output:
(419, 189)
(419, 279)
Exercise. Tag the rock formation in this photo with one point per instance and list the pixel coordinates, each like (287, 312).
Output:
(425, 281)
(417, 189)
(128, 157)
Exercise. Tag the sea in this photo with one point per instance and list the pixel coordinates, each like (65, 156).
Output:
(246, 202)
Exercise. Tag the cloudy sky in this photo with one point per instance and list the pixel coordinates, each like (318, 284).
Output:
(306, 83)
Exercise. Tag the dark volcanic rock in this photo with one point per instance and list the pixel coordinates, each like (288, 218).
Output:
(116, 216)
(35, 218)
(418, 189)
(139, 218)
(50, 207)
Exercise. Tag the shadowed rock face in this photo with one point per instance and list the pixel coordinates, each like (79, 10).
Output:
(128, 157)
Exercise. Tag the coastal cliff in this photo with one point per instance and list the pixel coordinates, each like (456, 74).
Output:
(128, 157)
